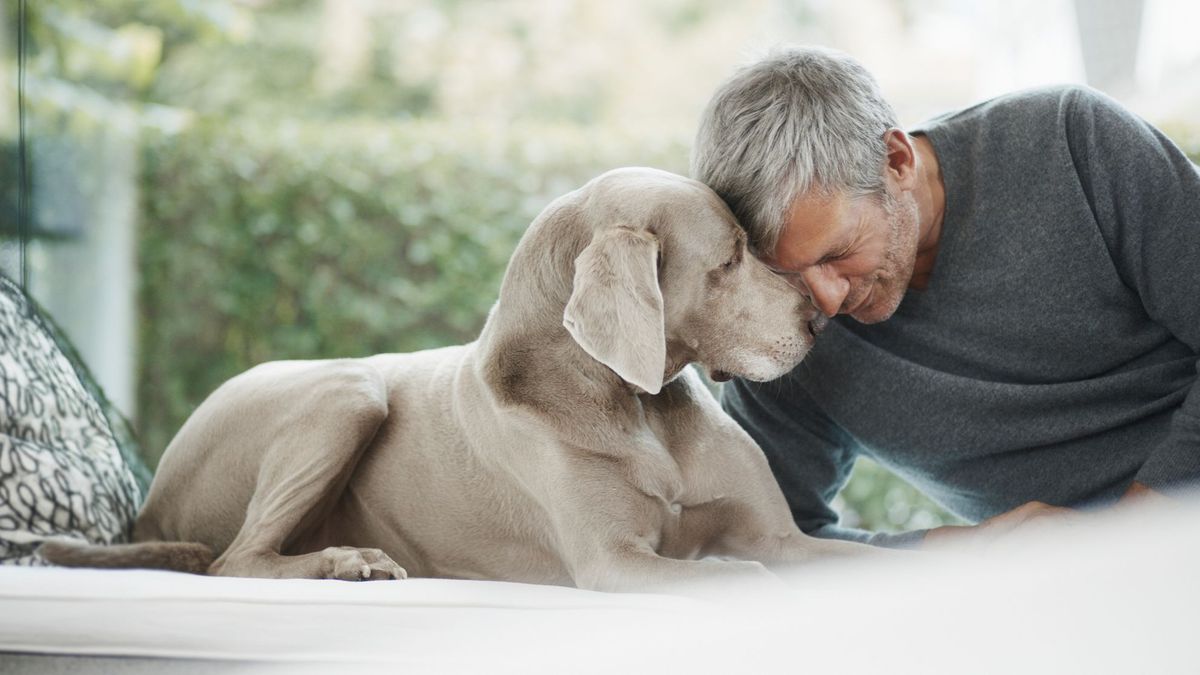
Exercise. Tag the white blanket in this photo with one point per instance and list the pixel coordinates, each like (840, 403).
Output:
(1121, 595)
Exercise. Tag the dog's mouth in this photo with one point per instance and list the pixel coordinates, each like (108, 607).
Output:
(761, 367)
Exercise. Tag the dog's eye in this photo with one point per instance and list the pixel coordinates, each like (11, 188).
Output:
(738, 248)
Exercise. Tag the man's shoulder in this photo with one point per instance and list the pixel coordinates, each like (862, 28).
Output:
(1045, 97)
(1025, 109)
(1042, 122)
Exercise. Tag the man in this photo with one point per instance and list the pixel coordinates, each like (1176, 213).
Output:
(1016, 285)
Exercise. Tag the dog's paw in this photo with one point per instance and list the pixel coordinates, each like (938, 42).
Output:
(361, 564)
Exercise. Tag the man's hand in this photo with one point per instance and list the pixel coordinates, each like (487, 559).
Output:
(1021, 518)
(1140, 494)
(1026, 517)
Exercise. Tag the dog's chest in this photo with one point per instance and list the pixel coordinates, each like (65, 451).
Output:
(689, 529)
(691, 507)
(690, 465)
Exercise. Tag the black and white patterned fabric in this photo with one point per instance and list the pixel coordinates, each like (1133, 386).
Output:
(62, 472)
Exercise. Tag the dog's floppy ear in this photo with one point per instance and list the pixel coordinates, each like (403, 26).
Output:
(616, 308)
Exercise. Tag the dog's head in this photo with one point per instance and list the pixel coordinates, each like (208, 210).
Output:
(666, 278)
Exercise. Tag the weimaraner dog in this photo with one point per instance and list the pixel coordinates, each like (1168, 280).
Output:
(569, 444)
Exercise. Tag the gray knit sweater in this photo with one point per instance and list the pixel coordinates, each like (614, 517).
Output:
(1053, 355)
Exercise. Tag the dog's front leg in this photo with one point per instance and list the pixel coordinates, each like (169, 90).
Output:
(609, 530)
(794, 548)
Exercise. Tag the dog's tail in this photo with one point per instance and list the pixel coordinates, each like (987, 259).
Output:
(179, 556)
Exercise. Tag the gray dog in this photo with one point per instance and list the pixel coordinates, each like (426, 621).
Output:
(568, 445)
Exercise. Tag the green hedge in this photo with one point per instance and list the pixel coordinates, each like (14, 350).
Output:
(264, 242)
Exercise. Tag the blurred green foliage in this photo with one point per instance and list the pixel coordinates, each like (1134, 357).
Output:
(876, 499)
(114, 48)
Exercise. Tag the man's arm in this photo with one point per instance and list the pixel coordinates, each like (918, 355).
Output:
(810, 457)
(1145, 194)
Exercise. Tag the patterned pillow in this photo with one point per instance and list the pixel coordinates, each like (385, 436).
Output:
(62, 473)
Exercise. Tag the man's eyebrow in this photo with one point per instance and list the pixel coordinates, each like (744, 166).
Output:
(836, 250)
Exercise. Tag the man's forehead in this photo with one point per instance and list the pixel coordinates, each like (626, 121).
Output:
(814, 223)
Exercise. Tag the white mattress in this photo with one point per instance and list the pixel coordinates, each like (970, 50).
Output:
(1121, 595)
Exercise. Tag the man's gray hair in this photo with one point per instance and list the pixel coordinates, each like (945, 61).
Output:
(802, 118)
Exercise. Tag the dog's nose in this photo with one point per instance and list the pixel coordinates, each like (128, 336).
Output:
(812, 318)
(817, 323)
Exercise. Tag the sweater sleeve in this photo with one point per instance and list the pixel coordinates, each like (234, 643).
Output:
(809, 455)
(1145, 195)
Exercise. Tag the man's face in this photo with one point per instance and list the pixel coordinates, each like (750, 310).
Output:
(851, 255)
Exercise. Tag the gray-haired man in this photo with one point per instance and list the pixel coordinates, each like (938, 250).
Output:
(1036, 259)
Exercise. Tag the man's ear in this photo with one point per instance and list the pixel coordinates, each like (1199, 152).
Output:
(616, 308)
(901, 158)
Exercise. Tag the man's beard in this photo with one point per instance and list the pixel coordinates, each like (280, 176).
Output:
(891, 282)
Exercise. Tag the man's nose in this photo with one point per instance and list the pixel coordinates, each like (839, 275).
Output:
(826, 289)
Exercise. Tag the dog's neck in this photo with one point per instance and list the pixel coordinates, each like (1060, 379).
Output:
(526, 356)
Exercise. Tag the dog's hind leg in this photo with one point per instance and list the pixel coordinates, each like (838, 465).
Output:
(334, 411)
